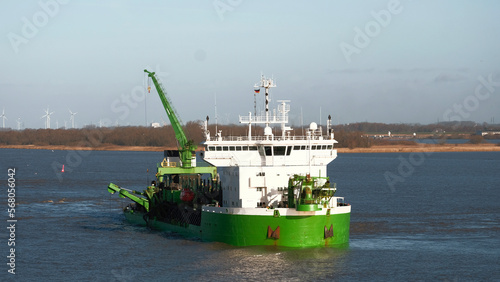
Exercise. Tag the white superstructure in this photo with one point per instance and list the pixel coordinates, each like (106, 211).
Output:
(255, 170)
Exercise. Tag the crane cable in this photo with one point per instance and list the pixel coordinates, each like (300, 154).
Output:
(147, 82)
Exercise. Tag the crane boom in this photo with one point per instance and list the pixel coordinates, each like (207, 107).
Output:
(185, 146)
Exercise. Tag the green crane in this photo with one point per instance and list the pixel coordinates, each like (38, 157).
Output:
(185, 146)
(152, 198)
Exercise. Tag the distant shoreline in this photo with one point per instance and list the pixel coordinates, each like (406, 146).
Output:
(486, 147)
(80, 148)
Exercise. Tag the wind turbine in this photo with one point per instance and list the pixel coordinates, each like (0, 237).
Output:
(163, 123)
(72, 118)
(19, 123)
(3, 118)
(47, 115)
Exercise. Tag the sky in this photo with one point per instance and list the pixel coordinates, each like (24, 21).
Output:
(359, 61)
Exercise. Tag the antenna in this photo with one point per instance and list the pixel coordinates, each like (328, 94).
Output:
(320, 116)
(215, 95)
(3, 118)
(301, 121)
(72, 118)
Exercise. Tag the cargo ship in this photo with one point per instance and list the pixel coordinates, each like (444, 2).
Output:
(268, 189)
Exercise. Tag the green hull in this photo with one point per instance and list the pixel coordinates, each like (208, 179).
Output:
(249, 230)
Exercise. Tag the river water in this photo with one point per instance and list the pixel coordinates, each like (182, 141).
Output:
(415, 216)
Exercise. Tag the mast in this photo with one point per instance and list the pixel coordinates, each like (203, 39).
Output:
(266, 83)
(281, 117)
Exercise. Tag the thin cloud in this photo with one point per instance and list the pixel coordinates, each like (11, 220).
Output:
(350, 71)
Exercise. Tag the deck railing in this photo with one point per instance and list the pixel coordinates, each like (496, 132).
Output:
(271, 138)
(263, 119)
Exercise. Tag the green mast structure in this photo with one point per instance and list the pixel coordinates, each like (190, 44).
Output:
(185, 146)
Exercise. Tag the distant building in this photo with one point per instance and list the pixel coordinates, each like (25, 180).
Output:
(483, 133)
(155, 125)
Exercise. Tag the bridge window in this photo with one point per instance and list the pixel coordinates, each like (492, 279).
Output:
(224, 148)
(330, 147)
(296, 147)
(303, 148)
(313, 147)
(238, 148)
(288, 150)
(218, 148)
(252, 148)
(323, 147)
(279, 150)
(211, 148)
(231, 148)
(268, 150)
